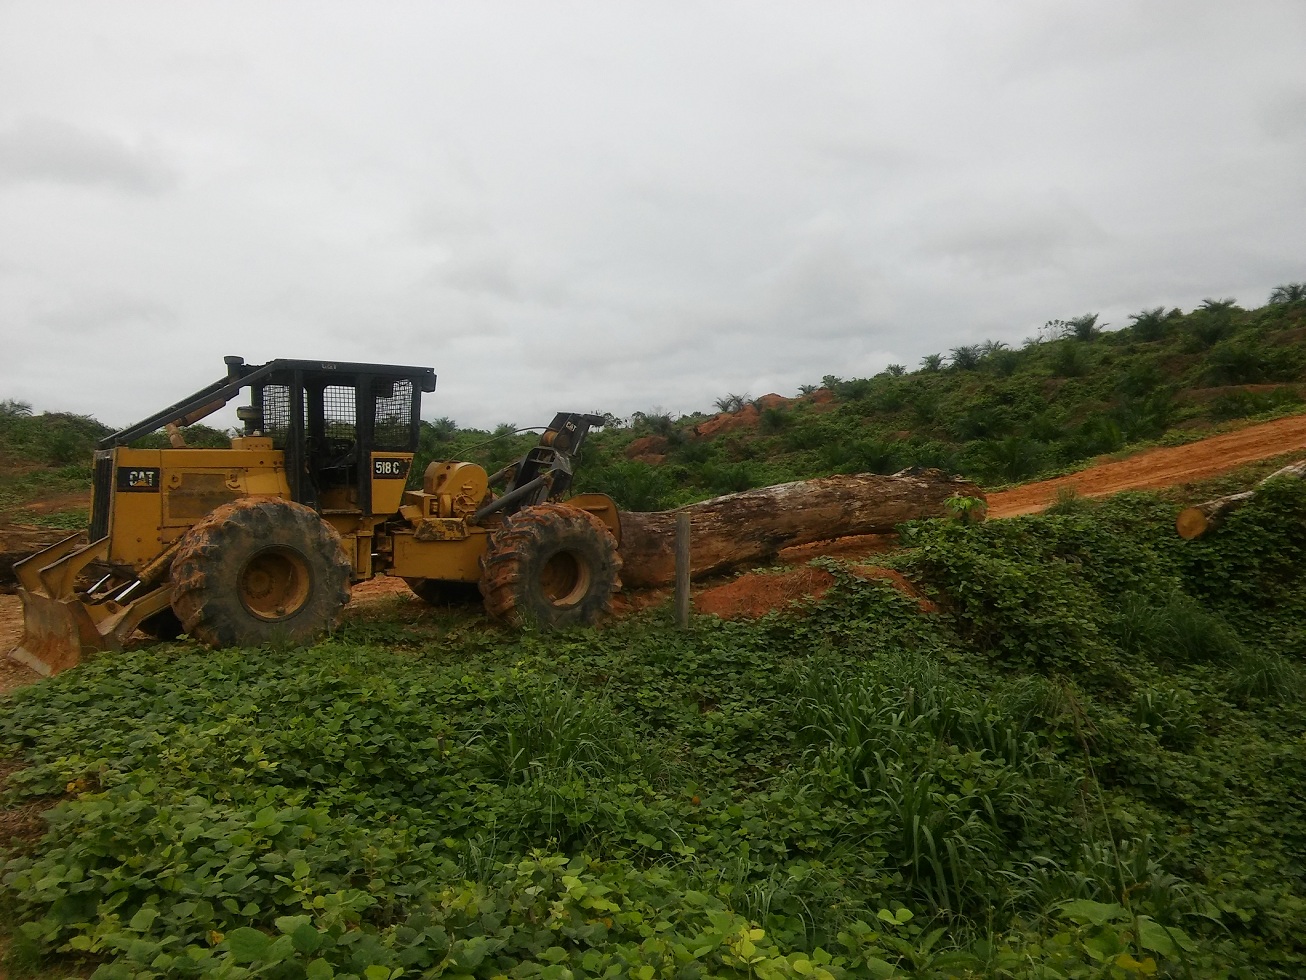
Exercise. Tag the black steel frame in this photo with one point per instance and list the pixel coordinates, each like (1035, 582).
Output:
(299, 377)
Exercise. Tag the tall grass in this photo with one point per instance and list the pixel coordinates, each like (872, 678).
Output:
(553, 733)
(947, 767)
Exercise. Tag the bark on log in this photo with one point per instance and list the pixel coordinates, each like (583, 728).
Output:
(1196, 520)
(17, 541)
(753, 526)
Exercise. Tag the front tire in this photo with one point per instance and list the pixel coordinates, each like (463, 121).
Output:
(260, 570)
(551, 565)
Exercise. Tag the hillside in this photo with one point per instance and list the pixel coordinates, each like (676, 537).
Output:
(992, 414)
(1059, 745)
(995, 415)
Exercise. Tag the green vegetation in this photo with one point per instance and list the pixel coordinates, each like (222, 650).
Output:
(995, 415)
(49, 455)
(1090, 764)
(990, 413)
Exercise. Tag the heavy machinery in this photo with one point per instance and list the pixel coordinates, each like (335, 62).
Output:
(259, 543)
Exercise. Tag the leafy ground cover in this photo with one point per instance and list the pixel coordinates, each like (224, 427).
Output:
(1090, 764)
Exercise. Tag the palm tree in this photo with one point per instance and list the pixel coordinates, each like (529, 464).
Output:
(966, 357)
(1289, 292)
(1084, 327)
(932, 362)
(1149, 324)
(1218, 305)
(15, 409)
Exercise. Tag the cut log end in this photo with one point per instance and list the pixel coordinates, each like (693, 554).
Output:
(1191, 523)
(1195, 521)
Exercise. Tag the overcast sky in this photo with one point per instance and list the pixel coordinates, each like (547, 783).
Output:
(616, 207)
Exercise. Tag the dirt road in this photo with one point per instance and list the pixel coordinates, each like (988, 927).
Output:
(1157, 468)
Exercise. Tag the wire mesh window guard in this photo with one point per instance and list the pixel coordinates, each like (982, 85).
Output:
(276, 413)
(339, 418)
(394, 417)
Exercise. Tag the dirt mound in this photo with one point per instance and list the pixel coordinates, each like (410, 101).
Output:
(1159, 468)
(745, 418)
(648, 449)
(755, 594)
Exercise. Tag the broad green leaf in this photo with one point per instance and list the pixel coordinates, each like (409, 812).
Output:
(1166, 940)
(1084, 911)
(247, 945)
(306, 938)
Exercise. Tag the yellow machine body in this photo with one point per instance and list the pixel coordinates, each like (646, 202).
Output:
(334, 440)
(159, 494)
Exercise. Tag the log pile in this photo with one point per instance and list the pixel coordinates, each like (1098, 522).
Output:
(1195, 521)
(752, 527)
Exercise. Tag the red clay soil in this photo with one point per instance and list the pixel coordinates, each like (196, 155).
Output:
(755, 594)
(12, 675)
(1158, 468)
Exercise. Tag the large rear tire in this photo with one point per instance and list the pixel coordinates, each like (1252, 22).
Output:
(260, 570)
(551, 565)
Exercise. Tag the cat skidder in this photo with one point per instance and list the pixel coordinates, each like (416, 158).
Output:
(260, 542)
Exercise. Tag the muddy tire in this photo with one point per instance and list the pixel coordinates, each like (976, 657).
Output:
(551, 565)
(260, 570)
(435, 592)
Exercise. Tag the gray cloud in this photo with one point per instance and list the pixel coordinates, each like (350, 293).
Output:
(41, 149)
(623, 206)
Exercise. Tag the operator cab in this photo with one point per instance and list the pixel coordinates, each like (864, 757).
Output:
(341, 425)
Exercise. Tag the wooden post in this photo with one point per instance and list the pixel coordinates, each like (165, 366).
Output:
(682, 570)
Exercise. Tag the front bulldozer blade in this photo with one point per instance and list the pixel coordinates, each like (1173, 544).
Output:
(56, 632)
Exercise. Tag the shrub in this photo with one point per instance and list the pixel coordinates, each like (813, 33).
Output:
(1070, 360)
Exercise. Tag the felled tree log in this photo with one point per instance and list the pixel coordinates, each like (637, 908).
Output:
(1195, 521)
(753, 526)
(17, 541)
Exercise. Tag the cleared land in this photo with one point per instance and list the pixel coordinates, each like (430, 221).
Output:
(1158, 468)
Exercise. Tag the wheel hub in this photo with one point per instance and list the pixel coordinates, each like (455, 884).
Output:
(275, 583)
(565, 580)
